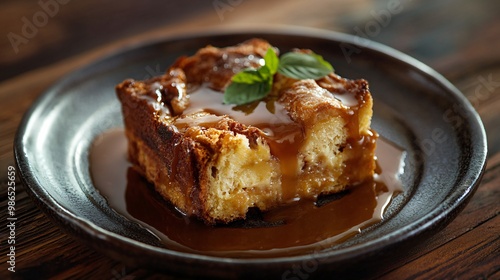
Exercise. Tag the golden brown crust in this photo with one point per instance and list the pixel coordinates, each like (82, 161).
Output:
(216, 66)
(215, 168)
(152, 142)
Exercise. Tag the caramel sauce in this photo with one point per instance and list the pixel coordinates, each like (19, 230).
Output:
(270, 117)
(283, 135)
(296, 228)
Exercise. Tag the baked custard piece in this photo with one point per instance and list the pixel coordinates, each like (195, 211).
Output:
(215, 161)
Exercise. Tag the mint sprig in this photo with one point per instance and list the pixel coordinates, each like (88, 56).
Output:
(304, 66)
(254, 84)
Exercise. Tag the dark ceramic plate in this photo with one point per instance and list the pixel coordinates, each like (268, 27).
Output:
(415, 107)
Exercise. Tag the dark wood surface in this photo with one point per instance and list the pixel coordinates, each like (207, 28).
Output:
(460, 39)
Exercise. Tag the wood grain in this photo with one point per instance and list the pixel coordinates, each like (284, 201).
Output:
(77, 26)
(459, 39)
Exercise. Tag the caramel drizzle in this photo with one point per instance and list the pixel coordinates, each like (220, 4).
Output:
(284, 136)
(297, 228)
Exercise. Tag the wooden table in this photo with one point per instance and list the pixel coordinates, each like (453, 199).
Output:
(460, 39)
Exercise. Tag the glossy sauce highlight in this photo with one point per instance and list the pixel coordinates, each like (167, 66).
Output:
(296, 228)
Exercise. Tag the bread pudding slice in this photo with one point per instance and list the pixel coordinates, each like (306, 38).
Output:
(215, 161)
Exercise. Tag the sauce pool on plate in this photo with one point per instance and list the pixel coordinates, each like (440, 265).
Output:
(296, 228)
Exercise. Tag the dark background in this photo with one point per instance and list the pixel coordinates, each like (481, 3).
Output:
(431, 31)
(458, 38)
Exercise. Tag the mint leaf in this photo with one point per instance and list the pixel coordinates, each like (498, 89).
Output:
(271, 61)
(254, 84)
(304, 66)
(261, 74)
(242, 93)
(248, 85)
(250, 76)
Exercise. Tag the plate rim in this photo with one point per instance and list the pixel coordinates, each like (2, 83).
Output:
(51, 206)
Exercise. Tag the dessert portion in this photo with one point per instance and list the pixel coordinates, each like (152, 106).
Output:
(304, 138)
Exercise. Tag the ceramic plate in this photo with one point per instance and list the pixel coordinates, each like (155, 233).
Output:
(414, 107)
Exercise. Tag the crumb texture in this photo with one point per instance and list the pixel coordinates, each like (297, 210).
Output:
(315, 138)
